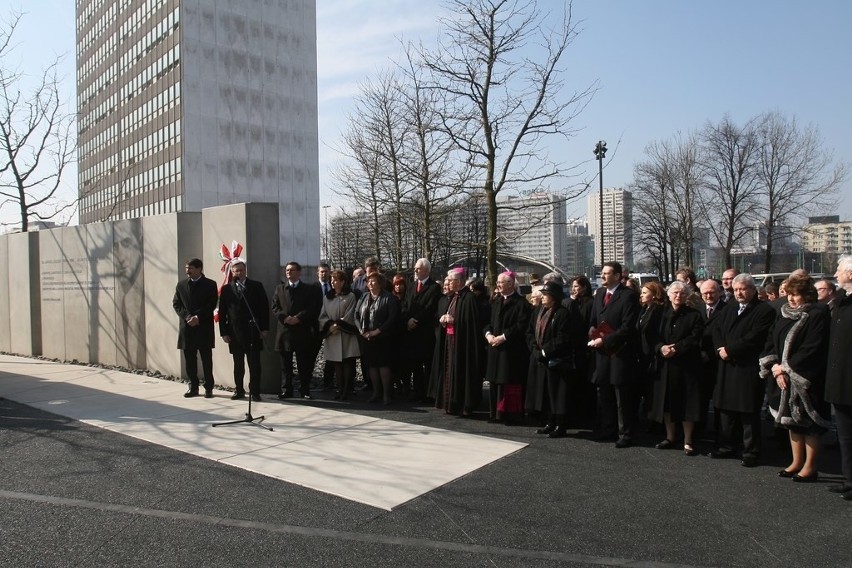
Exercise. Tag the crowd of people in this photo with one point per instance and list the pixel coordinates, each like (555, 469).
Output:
(696, 357)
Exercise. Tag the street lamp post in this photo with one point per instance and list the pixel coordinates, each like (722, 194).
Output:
(600, 154)
(325, 232)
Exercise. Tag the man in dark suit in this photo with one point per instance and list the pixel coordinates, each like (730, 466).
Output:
(711, 294)
(194, 301)
(243, 324)
(838, 377)
(507, 352)
(418, 342)
(738, 338)
(324, 284)
(297, 306)
(615, 339)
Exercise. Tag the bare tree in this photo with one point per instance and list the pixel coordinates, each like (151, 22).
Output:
(501, 99)
(653, 216)
(36, 138)
(429, 159)
(796, 176)
(729, 160)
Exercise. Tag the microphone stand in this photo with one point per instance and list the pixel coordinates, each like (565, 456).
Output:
(249, 419)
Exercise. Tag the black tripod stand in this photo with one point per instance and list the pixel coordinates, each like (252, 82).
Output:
(249, 419)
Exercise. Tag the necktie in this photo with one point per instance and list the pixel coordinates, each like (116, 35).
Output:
(709, 312)
(607, 298)
(324, 288)
(419, 286)
(742, 309)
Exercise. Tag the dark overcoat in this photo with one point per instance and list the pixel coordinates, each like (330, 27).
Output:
(558, 342)
(196, 299)
(508, 362)
(838, 378)
(650, 317)
(615, 363)
(304, 302)
(457, 364)
(235, 317)
(678, 378)
(807, 356)
(419, 343)
(739, 387)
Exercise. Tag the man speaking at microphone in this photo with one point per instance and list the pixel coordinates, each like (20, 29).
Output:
(243, 324)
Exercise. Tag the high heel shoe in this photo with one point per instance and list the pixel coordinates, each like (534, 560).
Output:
(547, 429)
(813, 478)
(788, 474)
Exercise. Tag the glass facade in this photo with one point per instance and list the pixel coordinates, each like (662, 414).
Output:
(129, 108)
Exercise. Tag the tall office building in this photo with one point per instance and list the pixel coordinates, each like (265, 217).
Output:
(187, 104)
(533, 226)
(617, 235)
(579, 248)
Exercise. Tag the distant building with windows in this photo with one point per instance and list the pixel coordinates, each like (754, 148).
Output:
(579, 248)
(188, 104)
(827, 235)
(616, 235)
(533, 226)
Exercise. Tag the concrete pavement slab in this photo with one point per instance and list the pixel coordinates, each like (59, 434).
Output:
(378, 462)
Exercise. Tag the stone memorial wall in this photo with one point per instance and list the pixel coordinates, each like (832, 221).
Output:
(102, 293)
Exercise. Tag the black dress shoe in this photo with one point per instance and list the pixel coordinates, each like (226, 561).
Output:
(558, 432)
(286, 394)
(622, 443)
(806, 478)
(208, 393)
(842, 489)
(787, 474)
(191, 393)
(547, 429)
(238, 395)
(256, 397)
(749, 461)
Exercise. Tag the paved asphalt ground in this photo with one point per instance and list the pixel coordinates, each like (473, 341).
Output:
(76, 495)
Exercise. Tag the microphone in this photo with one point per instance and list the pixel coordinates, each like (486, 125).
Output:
(241, 288)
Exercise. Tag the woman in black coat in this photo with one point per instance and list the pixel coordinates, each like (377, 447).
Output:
(677, 386)
(653, 299)
(550, 337)
(795, 364)
(377, 317)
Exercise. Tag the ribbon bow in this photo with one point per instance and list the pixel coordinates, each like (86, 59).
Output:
(228, 256)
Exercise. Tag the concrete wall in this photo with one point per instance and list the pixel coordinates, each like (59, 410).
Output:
(5, 330)
(170, 240)
(103, 292)
(255, 226)
(24, 313)
(249, 112)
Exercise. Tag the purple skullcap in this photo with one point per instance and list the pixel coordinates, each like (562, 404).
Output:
(456, 272)
(510, 274)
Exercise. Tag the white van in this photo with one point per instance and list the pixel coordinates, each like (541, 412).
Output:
(644, 277)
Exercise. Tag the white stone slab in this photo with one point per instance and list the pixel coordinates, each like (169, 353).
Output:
(378, 462)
